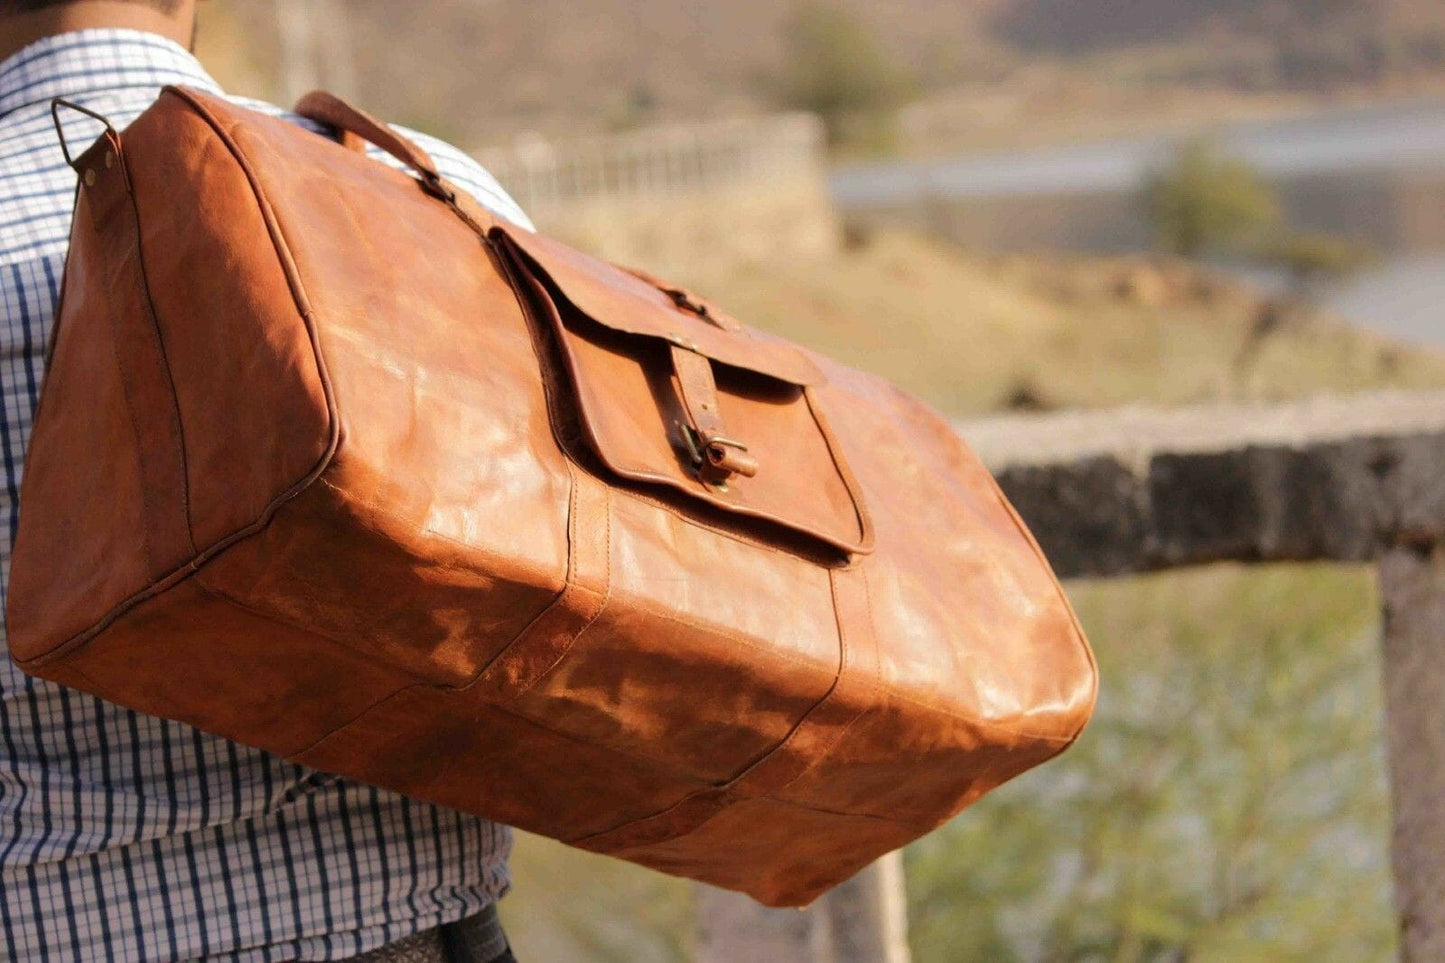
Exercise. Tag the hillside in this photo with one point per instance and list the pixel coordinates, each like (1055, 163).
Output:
(481, 69)
(972, 333)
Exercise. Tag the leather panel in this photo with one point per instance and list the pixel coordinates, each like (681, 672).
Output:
(206, 244)
(427, 570)
(190, 655)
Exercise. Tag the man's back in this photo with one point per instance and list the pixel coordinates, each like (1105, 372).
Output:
(127, 837)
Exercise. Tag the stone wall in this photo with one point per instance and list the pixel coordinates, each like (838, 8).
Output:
(1110, 493)
(1132, 490)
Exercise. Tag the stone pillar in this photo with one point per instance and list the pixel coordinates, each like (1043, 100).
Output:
(868, 915)
(1412, 583)
(733, 928)
(861, 921)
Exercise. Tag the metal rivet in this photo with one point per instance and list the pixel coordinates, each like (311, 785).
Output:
(89, 177)
(109, 159)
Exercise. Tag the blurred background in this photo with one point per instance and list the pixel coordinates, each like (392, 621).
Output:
(1006, 204)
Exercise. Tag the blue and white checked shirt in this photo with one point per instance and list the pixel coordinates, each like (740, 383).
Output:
(125, 837)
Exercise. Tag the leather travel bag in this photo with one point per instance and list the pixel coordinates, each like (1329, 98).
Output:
(332, 462)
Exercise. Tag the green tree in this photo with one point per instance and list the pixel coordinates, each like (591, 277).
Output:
(835, 68)
(1204, 200)
(1313, 257)
(1227, 802)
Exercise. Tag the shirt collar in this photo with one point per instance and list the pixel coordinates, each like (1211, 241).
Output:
(87, 61)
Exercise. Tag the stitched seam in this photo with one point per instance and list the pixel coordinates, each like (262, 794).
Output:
(601, 606)
(850, 483)
(160, 341)
(147, 534)
(737, 782)
(869, 702)
(569, 584)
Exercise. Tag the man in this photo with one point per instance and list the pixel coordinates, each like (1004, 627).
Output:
(126, 837)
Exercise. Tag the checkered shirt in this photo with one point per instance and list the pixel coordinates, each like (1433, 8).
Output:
(125, 837)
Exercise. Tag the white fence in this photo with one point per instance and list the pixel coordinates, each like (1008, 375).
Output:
(662, 161)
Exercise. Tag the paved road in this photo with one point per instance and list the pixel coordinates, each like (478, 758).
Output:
(1403, 297)
(1409, 136)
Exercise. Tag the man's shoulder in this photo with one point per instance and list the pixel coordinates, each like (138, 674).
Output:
(453, 164)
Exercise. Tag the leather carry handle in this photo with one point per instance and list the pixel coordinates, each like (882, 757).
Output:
(357, 126)
(328, 109)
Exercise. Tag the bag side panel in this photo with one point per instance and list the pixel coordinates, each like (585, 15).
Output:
(79, 551)
(180, 343)
(190, 655)
(253, 406)
(443, 530)
(971, 622)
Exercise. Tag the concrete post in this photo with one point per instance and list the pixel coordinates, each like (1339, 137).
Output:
(732, 928)
(862, 921)
(868, 915)
(1412, 583)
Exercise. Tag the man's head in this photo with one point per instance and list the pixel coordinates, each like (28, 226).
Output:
(22, 22)
(25, 6)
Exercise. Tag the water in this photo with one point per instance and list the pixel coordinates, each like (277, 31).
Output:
(1375, 173)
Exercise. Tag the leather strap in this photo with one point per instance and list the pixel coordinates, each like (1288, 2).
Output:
(717, 456)
(328, 109)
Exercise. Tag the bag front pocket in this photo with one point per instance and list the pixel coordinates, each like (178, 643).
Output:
(672, 392)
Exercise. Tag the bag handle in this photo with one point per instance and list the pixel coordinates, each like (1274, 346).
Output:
(357, 126)
(326, 108)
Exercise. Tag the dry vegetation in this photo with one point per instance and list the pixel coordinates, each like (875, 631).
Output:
(972, 333)
(479, 71)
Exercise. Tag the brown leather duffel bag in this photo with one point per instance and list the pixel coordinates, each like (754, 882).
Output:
(331, 462)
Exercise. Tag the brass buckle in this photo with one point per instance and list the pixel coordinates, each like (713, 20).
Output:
(697, 445)
(693, 441)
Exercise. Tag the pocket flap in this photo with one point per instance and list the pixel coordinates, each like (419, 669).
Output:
(622, 301)
(671, 393)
